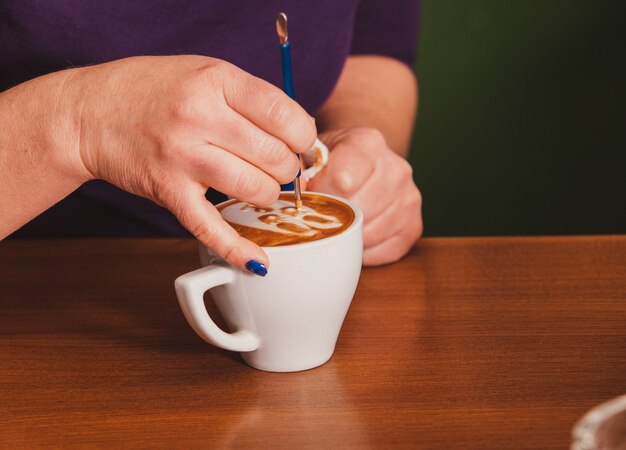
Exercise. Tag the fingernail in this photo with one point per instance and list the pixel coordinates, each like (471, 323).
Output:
(256, 268)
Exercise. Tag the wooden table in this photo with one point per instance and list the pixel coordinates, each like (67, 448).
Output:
(466, 343)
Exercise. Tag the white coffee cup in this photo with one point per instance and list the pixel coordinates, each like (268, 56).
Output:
(288, 320)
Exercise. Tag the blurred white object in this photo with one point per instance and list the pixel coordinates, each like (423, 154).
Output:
(602, 428)
(314, 159)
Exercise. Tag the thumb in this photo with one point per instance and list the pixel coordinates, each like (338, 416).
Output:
(204, 221)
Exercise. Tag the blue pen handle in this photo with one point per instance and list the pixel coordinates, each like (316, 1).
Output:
(285, 56)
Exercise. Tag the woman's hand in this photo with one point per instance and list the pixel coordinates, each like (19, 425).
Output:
(363, 169)
(167, 128)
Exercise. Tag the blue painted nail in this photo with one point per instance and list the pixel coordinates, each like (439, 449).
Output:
(256, 268)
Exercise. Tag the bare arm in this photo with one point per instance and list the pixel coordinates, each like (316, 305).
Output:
(38, 166)
(374, 92)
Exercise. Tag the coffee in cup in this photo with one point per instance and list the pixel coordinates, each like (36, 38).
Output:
(282, 224)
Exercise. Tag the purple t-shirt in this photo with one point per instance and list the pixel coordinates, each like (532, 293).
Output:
(43, 36)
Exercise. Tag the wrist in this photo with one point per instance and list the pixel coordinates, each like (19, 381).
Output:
(39, 163)
(43, 126)
(63, 125)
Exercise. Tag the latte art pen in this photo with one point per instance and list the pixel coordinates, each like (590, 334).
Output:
(285, 57)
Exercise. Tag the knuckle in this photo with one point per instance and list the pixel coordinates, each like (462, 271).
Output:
(186, 109)
(223, 77)
(412, 199)
(204, 232)
(369, 141)
(247, 184)
(273, 152)
(217, 65)
(419, 229)
(369, 134)
(225, 71)
(213, 70)
(301, 141)
(270, 194)
(375, 134)
(279, 113)
(308, 135)
(209, 235)
(417, 198)
(189, 97)
(168, 146)
(414, 232)
(415, 217)
(343, 182)
(406, 169)
(227, 251)
(289, 169)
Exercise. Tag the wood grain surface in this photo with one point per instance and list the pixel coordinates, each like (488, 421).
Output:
(466, 343)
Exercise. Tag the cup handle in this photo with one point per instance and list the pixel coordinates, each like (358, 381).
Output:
(190, 289)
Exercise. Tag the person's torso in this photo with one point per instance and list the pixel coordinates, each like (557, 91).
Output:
(42, 36)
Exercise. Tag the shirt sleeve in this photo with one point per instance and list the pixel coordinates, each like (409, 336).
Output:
(387, 27)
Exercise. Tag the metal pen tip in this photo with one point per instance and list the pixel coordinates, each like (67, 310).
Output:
(281, 28)
(298, 194)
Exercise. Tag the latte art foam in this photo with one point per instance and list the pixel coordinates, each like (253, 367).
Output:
(282, 224)
(282, 218)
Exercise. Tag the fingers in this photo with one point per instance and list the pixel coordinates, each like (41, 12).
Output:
(221, 170)
(384, 247)
(241, 137)
(390, 180)
(383, 226)
(270, 109)
(404, 216)
(201, 218)
(345, 174)
(387, 252)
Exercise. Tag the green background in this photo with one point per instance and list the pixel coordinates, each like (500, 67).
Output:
(521, 124)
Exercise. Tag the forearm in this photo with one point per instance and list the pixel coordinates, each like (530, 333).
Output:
(374, 92)
(38, 156)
